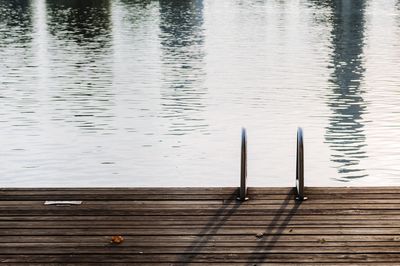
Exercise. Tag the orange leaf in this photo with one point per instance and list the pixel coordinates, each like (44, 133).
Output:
(117, 239)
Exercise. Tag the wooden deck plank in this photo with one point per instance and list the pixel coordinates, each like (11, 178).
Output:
(202, 207)
(194, 263)
(157, 246)
(176, 212)
(200, 225)
(204, 258)
(219, 202)
(188, 197)
(170, 219)
(218, 230)
(211, 239)
(266, 249)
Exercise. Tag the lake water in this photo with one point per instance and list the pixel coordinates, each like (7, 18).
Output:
(154, 93)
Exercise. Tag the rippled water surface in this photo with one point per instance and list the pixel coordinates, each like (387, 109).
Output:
(154, 93)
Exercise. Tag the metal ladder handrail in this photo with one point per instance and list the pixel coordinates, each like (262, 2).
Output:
(300, 166)
(243, 168)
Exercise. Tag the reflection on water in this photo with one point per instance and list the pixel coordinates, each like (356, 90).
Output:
(182, 44)
(345, 133)
(83, 22)
(17, 60)
(153, 93)
(80, 64)
(15, 22)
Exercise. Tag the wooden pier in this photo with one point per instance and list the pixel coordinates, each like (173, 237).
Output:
(182, 226)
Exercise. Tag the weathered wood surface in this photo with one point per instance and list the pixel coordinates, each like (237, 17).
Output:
(182, 226)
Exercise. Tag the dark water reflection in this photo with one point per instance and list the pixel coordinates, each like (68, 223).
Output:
(153, 93)
(16, 22)
(16, 53)
(83, 22)
(345, 134)
(80, 62)
(183, 67)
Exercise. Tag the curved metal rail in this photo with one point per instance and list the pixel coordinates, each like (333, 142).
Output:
(243, 168)
(300, 166)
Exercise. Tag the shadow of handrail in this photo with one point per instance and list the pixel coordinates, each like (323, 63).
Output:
(210, 229)
(274, 230)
